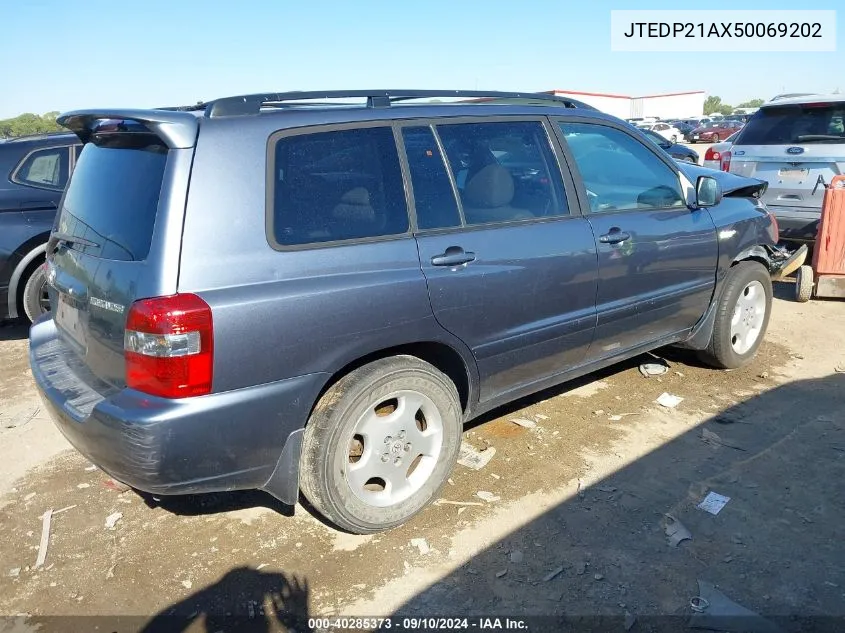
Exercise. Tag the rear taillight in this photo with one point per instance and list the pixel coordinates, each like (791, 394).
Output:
(711, 154)
(774, 229)
(169, 346)
(725, 165)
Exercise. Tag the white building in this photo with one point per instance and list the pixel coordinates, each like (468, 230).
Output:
(664, 106)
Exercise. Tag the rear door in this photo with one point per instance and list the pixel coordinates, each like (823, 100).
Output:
(657, 258)
(111, 238)
(796, 149)
(510, 264)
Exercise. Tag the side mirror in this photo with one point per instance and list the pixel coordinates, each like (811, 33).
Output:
(708, 192)
(665, 144)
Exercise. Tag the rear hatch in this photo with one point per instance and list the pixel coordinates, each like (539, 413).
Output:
(110, 238)
(796, 148)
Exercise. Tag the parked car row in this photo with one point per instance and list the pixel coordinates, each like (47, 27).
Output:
(323, 309)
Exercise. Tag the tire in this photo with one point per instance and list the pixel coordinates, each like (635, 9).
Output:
(674, 138)
(746, 297)
(34, 294)
(804, 284)
(374, 497)
(715, 138)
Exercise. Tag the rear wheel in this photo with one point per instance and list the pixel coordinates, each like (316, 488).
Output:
(380, 443)
(35, 299)
(742, 316)
(804, 284)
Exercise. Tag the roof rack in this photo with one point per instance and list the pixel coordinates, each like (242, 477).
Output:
(252, 104)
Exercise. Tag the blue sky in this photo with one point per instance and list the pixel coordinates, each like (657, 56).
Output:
(62, 54)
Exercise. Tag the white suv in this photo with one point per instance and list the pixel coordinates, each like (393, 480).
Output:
(796, 145)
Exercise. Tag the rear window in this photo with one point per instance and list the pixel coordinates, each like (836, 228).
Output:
(791, 124)
(335, 186)
(113, 196)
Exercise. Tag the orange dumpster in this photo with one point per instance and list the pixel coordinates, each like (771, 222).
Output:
(826, 277)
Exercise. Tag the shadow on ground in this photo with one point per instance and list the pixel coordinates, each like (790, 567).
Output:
(777, 547)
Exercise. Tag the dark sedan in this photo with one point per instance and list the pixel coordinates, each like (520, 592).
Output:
(675, 150)
(714, 131)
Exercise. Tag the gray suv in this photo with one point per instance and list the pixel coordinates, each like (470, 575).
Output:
(797, 145)
(297, 293)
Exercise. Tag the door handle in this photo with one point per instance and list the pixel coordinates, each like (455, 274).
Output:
(615, 236)
(454, 256)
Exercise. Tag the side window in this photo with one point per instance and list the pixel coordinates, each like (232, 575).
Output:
(46, 168)
(434, 199)
(337, 185)
(504, 171)
(618, 171)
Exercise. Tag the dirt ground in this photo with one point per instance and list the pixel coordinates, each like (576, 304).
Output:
(576, 525)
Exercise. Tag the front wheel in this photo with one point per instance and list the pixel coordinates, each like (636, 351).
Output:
(36, 301)
(380, 443)
(742, 316)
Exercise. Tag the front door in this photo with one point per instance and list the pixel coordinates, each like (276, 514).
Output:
(657, 257)
(511, 270)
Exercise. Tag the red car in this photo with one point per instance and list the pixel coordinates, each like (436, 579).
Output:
(714, 131)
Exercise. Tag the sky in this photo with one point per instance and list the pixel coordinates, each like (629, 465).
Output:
(63, 54)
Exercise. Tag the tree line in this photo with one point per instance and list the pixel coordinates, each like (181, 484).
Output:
(714, 105)
(28, 123)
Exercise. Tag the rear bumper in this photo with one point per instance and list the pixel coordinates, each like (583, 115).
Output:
(224, 441)
(795, 224)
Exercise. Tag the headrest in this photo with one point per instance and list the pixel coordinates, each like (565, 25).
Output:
(491, 186)
(355, 205)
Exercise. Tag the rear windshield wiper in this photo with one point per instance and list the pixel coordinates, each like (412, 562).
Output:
(69, 240)
(819, 137)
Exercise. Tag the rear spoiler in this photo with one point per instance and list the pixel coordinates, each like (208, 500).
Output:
(178, 130)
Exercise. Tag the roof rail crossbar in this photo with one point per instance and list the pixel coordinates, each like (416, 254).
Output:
(252, 104)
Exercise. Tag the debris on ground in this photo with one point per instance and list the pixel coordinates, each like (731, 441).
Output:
(581, 568)
(675, 530)
(557, 571)
(619, 416)
(112, 484)
(112, 519)
(714, 440)
(29, 496)
(713, 610)
(606, 488)
(90, 469)
(501, 573)
(457, 503)
(110, 572)
(187, 584)
(516, 557)
(83, 486)
(580, 489)
(14, 572)
(598, 576)
(473, 458)
(668, 400)
(489, 497)
(421, 544)
(713, 503)
(528, 424)
(64, 509)
(653, 369)
(839, 369)
(45, 538)
(540, 416)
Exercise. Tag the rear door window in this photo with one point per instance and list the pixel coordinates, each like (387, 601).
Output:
(336, 186)
(504, 171)
(112, 200)
(44, 168)
(795, 124)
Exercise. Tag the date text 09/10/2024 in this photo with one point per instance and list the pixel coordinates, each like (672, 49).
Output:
(417, 624)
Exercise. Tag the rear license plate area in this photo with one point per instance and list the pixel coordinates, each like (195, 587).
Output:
(68, 319)
(794, 173)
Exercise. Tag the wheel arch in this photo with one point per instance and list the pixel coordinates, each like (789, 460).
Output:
(35, 251)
